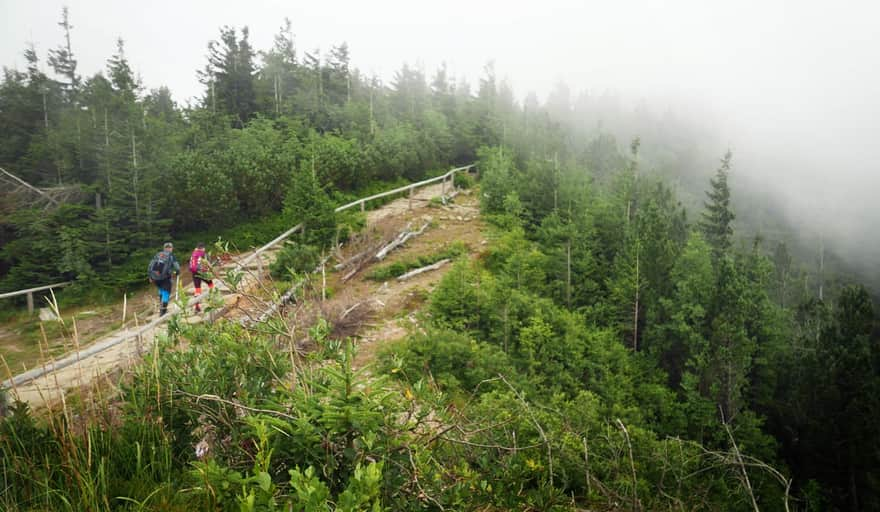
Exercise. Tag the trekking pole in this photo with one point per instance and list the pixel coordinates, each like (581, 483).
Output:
(177, 289)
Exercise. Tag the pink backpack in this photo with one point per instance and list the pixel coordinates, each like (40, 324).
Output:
(196, 261)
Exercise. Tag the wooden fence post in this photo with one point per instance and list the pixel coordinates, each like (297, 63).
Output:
(30, 301)
(411, 190)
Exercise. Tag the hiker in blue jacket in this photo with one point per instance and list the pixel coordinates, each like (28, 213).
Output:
(162, 268)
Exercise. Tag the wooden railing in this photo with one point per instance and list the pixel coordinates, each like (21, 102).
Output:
(36, 373)
(444, 178)
(30, 293)
(447, 177)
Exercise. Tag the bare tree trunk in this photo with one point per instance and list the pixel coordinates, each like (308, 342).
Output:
(742, 466)
(853, 489)
(782, 298)
(45, 112)
(371, 109)
(107, 155)
(134, 177)
(79, 150)
(320, 87)
(728, 391)
(72, 72)
(107, 243)
(821, 266)
(568, 274)
(275, 91)
(636, 309)
(506, 328)
(27, 185)
(556, 180)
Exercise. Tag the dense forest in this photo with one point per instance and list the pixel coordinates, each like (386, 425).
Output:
(627, 340)
(143, 169)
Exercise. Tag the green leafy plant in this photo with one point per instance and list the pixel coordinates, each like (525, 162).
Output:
(463, 180)
(295, 257)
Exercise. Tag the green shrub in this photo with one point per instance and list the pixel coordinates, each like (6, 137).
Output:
(463, 180)
(348, 223)
(453, 302)
(456, 362)
(388, 271)
(308, 203)
(399, 268)
(295, 257)
(252, 233)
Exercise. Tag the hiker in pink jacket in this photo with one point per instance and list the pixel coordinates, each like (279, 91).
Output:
(200, 267)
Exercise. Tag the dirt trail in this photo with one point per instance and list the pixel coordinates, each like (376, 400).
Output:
(391, 303)
(395, 303)
(79, 366)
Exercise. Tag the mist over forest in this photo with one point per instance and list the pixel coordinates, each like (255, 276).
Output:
(786, 87)
(660, 288)
(791, 183)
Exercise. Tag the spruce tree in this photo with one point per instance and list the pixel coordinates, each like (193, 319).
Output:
(277, 79)
(308, 203)
(717, 220)
(62, 61)
(229, 76)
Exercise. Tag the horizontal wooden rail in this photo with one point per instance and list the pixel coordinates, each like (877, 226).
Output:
(412, 186)
(137, 333)
(31, 290)
(280, 238)
(30, 293)
(79, 355)
(360, 202)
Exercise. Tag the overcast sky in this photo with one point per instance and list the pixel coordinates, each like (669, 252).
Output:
(798, 80)
(735, 52)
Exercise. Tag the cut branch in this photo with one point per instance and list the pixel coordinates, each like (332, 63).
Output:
(401, 239)
(418, 271)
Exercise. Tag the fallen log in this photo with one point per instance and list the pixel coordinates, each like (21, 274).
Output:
(394, 243)
(362, 260)
(401, 239)
(350, 274)
(418, 271)
(354, 260)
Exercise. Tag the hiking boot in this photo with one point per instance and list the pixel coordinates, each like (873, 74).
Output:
(163, 309)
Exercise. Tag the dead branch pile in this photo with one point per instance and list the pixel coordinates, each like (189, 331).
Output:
(401, 239)
(347, 319)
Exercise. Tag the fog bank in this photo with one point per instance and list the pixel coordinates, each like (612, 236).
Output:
(793, 86)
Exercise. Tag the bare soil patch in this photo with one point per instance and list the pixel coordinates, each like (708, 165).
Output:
(397, 303)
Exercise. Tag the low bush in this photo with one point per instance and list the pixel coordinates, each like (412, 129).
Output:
(295, 257)
(453, 360)
(463, 180)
